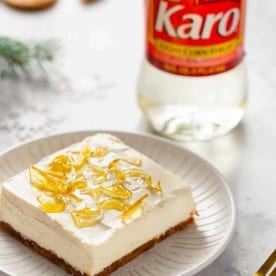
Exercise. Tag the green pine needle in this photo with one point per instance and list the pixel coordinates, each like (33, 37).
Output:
(19, 59)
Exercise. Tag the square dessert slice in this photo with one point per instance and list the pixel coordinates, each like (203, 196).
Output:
(95, 205)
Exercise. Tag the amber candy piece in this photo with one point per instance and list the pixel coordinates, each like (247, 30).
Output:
(113, 203)
(94, 193)
(60, 166)
(46, 182)
(78, 183)
(113, 166)
(117, 190)
(75, 198)
(132, 209)
(85, 217)
(51, 203)
(99, 153)
(134, 172)
(100, 174)
(81, 158)
(132, 161)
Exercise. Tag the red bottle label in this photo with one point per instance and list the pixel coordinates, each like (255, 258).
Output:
(195, 37)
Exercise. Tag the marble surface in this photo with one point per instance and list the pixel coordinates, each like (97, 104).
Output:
(95, 76)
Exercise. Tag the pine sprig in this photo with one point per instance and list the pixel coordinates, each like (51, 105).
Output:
(20, 59)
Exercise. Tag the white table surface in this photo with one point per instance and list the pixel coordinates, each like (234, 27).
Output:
(95, 89)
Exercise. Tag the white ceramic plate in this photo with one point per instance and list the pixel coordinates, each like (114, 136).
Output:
(185, 253)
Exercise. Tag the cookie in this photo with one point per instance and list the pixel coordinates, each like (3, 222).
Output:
(30, 4)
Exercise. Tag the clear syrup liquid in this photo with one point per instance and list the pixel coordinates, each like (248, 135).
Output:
(192, 108)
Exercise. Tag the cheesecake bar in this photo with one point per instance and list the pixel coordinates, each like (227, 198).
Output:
(94, 206)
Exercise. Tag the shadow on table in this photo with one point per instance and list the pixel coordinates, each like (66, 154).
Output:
(225, 152)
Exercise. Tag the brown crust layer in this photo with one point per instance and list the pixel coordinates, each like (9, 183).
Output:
(29, 5)
(114, 266)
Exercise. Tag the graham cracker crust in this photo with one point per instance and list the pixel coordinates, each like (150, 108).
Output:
(111, 268)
